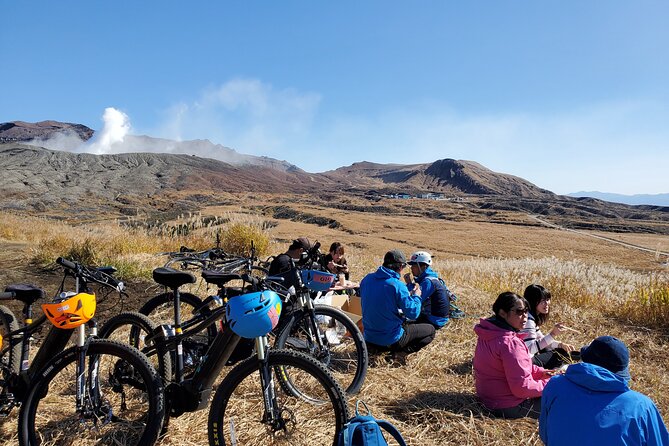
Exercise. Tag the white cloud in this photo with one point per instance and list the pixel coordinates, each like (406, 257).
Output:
(246, 114)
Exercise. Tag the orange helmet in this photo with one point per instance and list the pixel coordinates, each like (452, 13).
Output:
(72, 311)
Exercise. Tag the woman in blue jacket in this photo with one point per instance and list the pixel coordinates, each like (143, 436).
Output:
(593, 404)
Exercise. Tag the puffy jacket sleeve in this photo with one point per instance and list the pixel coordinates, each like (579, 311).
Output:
(410, 304)
(426, 289)
(521, 375)
(535, 339)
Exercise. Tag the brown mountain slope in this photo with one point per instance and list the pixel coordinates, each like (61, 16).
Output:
(446, 176)
(26, 131)
(39, 179)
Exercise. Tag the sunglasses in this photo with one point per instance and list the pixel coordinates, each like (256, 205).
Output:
(520, 311)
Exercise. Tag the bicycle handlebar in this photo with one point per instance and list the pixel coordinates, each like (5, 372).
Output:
(66, 263)
(92, 274)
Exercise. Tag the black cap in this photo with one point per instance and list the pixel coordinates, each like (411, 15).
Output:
(610, 353)
(301, 242)
(394, 256)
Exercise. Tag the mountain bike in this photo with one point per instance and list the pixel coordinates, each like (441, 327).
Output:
(322, 331)
(278, 396)
(160, 308)
(97, 391)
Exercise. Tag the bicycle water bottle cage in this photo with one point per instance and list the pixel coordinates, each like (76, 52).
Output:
(72, 311)
(317, 280)
(253, 314)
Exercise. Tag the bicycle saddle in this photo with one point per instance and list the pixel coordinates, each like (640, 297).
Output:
(26, 293)
(219, 278)
(171, 277)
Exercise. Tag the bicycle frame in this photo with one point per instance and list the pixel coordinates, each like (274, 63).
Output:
(192, 394)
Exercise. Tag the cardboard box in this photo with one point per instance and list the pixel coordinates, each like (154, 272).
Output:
(350, 305)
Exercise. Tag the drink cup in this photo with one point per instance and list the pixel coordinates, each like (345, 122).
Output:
(342, 279)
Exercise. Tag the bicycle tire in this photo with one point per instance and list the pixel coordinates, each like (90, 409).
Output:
(160, 309)
(11, 354)
(48, 415)
(347, 359)
(132, 328)
(238, 403)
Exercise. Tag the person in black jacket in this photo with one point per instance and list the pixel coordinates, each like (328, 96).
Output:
(283, 265)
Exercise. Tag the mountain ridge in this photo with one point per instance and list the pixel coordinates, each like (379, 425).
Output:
(633, 200)
(53, 182)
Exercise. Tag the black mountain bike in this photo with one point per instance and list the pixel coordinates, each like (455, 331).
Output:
(321, 331)
(97, 391)
(273, 396)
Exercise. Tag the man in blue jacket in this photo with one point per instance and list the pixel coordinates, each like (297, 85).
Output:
(435, 294)
(388, 308)
(593, 404)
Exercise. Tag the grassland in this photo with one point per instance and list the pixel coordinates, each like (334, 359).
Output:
(599, 287)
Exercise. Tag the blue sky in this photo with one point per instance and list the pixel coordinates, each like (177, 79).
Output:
(570, 95)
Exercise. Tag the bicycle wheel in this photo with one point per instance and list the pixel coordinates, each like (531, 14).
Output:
(238, 416)
(343, 350)
(10, 355)
(123, 401)
(132, 328)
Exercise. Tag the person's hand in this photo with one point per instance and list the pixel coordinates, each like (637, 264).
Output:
(557, 329)
(416, 290)
(407, 278)
(551, 373)
(566, 347)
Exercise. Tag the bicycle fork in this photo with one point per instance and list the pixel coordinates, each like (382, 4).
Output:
(273, 413)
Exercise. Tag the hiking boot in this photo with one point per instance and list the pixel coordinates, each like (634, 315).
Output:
(399, 358)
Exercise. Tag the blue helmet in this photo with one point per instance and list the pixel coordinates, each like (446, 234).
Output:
(254, 314)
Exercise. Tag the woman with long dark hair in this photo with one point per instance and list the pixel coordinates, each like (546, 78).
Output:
(545, 350)
(507, 382)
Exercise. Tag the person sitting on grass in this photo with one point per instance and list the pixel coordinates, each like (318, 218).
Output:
(545, 350)
(388, 308)
(335, 262)
(284, 265)
(507, 382)
(435, 294)
(593, 404)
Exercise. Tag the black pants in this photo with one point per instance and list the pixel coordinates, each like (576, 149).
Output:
(415, 337)
(552, 359)
(530, 408)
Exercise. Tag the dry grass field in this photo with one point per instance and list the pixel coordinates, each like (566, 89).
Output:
(599, 288)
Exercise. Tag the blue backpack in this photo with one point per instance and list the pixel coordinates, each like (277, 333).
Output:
(365, 430)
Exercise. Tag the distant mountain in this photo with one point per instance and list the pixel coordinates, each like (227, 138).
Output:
(161, 176)
(66, 136)
(639, 199)
(38, 179)
(445, 176)
(20, 131)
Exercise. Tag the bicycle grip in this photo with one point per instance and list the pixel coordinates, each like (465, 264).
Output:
(7, 295)
(66, 263)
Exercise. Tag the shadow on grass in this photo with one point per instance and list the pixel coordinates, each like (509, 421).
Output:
(464, 368)
(462, 403)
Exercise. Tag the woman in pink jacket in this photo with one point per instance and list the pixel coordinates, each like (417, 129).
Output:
(507, 382)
